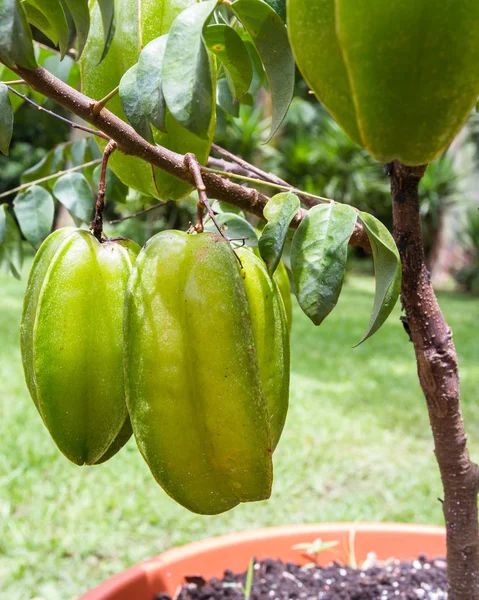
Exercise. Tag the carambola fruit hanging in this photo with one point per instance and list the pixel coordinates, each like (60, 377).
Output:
(72, 342)
(401, 78)
(206, 369)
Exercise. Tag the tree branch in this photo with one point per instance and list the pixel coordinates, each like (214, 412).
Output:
(130, 142)
(438, 374)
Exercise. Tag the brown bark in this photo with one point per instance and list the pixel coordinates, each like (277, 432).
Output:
(131, 143)
(438, 374)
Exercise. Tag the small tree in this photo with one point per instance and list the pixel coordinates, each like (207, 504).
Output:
(166, 90)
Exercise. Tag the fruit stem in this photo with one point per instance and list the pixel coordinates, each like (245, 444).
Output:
(96, 225)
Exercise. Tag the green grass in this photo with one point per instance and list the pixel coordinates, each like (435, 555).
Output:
(356, 447)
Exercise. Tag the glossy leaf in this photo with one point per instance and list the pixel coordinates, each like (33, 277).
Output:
(55, 15)
(279, 212)
(73, 191)
(10, 242)
(187, 78)
(149, 82)
(226, 44)
(6, 119)
(269, 36)
(51, 163)
(132, 103)
(107, 9)
(318, 257)
(35, 210)
(81, 17)
(16, 45)
(387, 269)
(36, 18)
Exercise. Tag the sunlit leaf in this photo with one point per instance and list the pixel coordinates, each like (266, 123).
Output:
(55, 15)
(187, 78)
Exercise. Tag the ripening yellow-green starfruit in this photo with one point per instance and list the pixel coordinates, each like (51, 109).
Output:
(401, 78)
(72, 342)
(206, 369)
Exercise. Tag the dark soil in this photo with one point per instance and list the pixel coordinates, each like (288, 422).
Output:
(275, 580)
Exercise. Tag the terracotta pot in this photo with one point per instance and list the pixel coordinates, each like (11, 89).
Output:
(211, 557)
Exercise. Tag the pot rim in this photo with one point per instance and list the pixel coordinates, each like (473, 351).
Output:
(148, 569)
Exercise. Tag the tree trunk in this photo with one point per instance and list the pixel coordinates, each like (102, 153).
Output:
(438, 374)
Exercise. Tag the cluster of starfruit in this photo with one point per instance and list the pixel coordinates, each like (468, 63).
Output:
(184, 343)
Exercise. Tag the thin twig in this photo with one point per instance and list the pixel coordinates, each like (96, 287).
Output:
(97, 224)
(308, 200)
(24, 186)
(64, 119)
(140, 212)
(15, 82)
(224, 165)
(97, 106)
(131, 143)
(286, 188)
(192, 164)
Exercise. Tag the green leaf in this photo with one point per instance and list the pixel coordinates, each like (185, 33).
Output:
(219, 206)
(269, 36)
(107, 9)
(187, 78)
(35, 210)
(279, 6)
(235, 227)
(226, 44)
(51, 163)
(387, 269)
(149, 82)
(6, 119)
(132, 103)
(16, 44)
(73, 191)
(318, 257)
(36, 18)
(11, 250)
(224, 98)
(279, 212)
(55, 15)
(81, 17)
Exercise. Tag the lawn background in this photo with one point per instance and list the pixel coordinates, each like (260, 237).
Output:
(356, 447)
